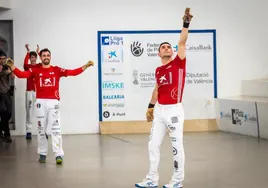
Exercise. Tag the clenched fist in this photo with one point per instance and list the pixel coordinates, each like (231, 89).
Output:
(90, 63)
(150, 114)
(187, 16)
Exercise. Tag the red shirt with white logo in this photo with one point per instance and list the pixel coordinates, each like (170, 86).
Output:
(30, 81)
(47, 79)
(170, 79)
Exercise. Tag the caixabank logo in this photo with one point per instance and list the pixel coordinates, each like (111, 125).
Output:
(198, 47)
(194, 47)
(238, 117)
(112, 40)
(112, 56)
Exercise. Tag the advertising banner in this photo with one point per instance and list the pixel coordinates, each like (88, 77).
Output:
(127, 63)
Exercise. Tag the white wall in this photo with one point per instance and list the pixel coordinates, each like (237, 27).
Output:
(69, 28)
(6, 4)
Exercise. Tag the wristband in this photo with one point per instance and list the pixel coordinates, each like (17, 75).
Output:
(186, 25)
(150, 105)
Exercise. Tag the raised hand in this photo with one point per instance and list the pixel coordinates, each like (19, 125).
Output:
(27, 47)
(37, 49)
(187, 16)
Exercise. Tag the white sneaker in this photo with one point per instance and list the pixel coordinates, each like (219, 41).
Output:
(173, 184)
(147, 183)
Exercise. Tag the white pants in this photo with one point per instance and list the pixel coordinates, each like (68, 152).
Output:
(171, 118)
(47, 113)
(29, 102)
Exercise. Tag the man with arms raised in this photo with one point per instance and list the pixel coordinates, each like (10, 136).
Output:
(47, 78)
(168, 112)
(30, 88)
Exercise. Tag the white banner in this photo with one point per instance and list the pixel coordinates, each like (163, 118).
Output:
(127, 63)
(237, 117)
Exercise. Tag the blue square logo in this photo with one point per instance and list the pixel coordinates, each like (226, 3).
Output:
(105, 40)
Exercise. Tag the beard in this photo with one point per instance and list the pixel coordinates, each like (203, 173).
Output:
(46, 62)
(167, 56)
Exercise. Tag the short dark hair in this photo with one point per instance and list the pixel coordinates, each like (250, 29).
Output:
(33, 53)
(162, 44)
(44, 50)
(2, 53)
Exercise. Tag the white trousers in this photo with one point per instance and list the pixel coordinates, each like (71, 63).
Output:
(47, 113)
(171, 118)
(29, 102)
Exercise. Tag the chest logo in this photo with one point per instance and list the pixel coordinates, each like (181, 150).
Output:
(162, 78)
(47, 81)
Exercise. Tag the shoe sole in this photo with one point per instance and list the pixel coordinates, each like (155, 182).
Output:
(59, 161)
(136, 185)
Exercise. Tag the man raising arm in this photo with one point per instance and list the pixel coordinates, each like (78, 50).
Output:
(30, 88)
(47, 104)
(184, 34)
(168, 112)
